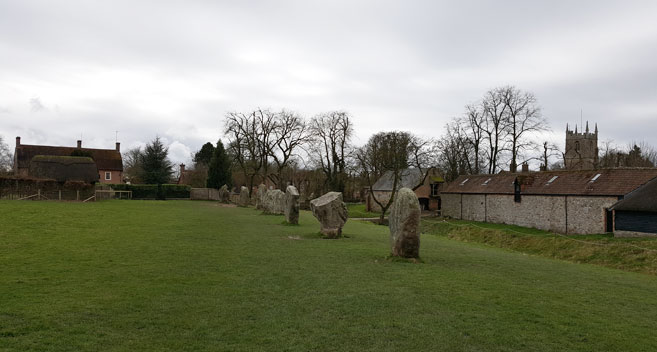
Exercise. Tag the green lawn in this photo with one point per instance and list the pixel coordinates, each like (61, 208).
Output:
(189, 276)
(358, 210)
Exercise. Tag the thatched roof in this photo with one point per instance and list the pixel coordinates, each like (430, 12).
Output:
(604, 182)
(106, 159)
(642, 199)
(64, 168)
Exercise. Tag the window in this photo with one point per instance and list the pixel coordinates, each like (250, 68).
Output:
(464, 181)
(434, 189)
(108, 175)
(486, 182)
(595, 178)
(552, 180)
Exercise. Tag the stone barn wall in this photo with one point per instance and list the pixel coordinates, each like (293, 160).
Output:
(451, 206)
(540, 212)
(474, 207)
(585, 215)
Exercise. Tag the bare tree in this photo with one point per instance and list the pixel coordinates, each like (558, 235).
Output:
(331, 146)
(132, 166)
(455, 151)
(494, 126)
(523, 116)
(635, 154)
(549, 150)
(393, 153)
(474, 125)
(251, 141)
(290, 134)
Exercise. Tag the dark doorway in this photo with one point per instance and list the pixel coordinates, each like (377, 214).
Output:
(609, 217)
(424, 203)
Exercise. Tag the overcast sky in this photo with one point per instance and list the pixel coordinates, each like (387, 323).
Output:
(85, 69)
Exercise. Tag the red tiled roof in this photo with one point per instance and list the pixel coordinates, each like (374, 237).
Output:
(106, 159)
(610, 182)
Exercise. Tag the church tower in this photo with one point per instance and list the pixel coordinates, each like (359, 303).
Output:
(581, 149)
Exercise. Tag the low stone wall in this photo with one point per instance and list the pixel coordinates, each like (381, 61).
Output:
(204, 194)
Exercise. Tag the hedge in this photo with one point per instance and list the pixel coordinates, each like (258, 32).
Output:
(150, 191)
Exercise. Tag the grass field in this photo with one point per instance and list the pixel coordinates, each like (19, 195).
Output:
(190, 276)
(358, 210)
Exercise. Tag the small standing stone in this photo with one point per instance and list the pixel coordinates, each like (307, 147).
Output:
(260, 196)
(331, 212)
(224, 194)
(244, 197)
(405, 224)
(292, 205)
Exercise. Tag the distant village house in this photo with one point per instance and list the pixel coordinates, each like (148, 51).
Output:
(68, 163)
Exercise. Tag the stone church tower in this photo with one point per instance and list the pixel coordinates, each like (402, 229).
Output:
(581, 149)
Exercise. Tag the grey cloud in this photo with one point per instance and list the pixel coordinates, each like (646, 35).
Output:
(173, 68)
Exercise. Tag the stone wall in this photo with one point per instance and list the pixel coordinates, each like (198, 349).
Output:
(474, 207)
(541, 212)
(585, 215)
(204, 194)
(451, 206)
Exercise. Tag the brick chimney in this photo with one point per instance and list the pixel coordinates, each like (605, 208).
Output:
(79, 144)
(18, 141)
(525, 167)
(118, 146)
(182, 169)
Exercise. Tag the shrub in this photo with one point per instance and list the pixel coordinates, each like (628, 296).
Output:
(151, 191)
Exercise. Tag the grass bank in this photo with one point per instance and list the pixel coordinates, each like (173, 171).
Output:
(195, 276)
(630, 254)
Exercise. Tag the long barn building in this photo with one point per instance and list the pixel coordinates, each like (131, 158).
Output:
(570, 202)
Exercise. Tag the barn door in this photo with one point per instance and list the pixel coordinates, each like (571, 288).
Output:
(610, 220)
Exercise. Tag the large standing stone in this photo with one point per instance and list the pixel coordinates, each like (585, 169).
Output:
(292, 205)
(405, 224)
(224, 194)
(260, 196)
(274, 202)
(331, 212)
(244, 197)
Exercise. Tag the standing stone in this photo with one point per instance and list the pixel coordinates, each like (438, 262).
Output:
(405, 224)
(224, 194)
(274, 202)
(292, 205)
(244, 197)
(260, 196)
(331, 212)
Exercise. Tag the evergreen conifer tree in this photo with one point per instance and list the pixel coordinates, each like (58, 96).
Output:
(156, 167)
(219, 173)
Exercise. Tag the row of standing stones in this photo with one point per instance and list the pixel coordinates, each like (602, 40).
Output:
(331, 211)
